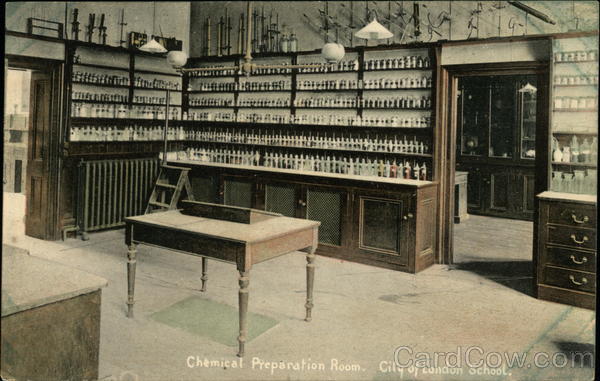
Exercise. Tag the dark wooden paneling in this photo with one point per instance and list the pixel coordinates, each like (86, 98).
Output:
(58, 341)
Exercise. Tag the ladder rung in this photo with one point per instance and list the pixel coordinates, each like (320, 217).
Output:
(166, 185)
(172, 167)
(161, 204)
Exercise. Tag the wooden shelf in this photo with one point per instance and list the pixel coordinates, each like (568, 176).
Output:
(400, 69)
(594, 133)
(192, 106)
(574, 62)
(575, 110)
(99, 102)
(100, 85)
(355, 151)
(582, 165)
(140, 71)
(578, 85)
(326, 90)
(210, 91)
(327, 72)
(154, 104)
(105, 67)
(155, 89)
(401, 89)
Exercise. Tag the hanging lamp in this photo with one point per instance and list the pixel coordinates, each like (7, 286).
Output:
(153, 46)
(374, 30)
(528, 88)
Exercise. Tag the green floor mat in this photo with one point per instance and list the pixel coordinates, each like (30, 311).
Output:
(215, 321)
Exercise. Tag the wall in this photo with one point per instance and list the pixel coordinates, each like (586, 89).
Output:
(173, 18)
(302, 17)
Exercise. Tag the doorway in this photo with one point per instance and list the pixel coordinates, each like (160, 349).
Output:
(497, 145)
(32, 134)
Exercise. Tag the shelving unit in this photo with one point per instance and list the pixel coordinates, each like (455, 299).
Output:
(574, 142)
(566, 238)
(353, 88)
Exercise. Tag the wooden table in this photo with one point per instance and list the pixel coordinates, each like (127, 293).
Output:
(232, 242)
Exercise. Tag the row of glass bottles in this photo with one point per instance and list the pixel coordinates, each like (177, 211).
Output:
(260, 102)
(216, 86)
(320, 67)
(99, 97)
(576, 56)
(409, 102)
(579, 181)
(101, 79)
(331, 84)
(264, 85)
(92, 110)
(156, 84)
(287, 44)
(404, 62)
(312, 163)
(151, 99)
(212, 73)
(575, 79)
(423, 82)
(212, 102)
(323, 120)
(575, 103)
(116, 133)
(576, 152)
(342, 141)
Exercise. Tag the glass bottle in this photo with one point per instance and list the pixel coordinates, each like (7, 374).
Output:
(293, 43)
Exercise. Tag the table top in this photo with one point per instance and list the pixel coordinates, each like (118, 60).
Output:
(569, 197)
(246, 233)
(29, 282)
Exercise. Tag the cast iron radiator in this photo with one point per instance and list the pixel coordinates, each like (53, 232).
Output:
(110, 190)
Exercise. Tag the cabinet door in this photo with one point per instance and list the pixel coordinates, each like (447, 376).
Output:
(238, 191)
(282, 198)
(205, 187)
(329, 206)
(383, 227)
(499, 188)
(475, 190)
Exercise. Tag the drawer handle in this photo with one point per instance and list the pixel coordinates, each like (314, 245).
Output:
(583, 280)
(584, 240)
(582, 221)
(583, 260)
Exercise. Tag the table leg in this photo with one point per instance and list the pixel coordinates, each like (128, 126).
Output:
(131, 261)
(244, 281)
(204, 276)
(310, 277)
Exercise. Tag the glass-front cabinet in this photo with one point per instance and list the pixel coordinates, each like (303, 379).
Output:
(497, 121)
(574, 138)
(496, 112)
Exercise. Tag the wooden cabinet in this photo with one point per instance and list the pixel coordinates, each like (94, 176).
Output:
(394, 229)
(500, 191)
(387, 224)
(566, 249)
(496, 143)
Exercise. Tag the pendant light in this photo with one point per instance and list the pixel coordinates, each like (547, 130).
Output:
(528, 88)
(373, 30)
(332, 51)
(153, 46)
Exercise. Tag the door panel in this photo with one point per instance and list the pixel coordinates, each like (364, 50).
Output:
(281, 198)
(326, 206)
(37, 164)
(499, 191)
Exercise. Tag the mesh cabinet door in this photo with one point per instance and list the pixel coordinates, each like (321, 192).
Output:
(281, 199)
(326, 207)
(205, 188)
(237, 193)
(380, 224)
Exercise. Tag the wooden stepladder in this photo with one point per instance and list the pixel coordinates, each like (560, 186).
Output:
(171, 181)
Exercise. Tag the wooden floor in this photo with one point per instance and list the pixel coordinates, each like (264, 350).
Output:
(499, 249)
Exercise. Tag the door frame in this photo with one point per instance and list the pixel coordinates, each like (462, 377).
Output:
(449, 75)
(55, 139)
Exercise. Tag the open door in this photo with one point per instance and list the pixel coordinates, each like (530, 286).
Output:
(38, 170)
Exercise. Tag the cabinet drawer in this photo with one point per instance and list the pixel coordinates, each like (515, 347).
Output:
(571, 279)
(583, 216)
(572, 259)
(574, 237)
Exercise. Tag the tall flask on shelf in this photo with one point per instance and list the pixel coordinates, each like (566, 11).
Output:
(557, 154)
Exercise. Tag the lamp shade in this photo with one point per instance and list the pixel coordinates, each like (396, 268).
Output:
(177, 58)
(374, 31)
(153, 46)
(333, 52)
(528, 88)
